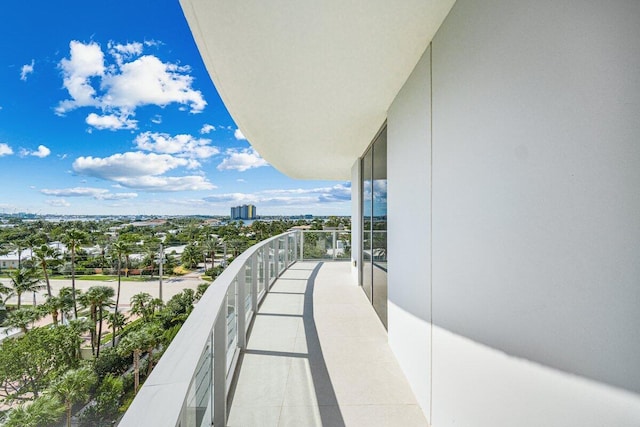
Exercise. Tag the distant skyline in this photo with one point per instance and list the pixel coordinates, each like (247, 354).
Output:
(106, 108)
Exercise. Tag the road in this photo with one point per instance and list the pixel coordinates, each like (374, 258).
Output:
(170, 287)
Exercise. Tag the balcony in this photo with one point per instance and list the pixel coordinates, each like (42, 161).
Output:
(280, 339)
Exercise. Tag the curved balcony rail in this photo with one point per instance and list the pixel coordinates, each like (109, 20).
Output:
(190, 384)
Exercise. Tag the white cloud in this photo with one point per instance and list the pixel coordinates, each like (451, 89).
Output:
(128, 164)
(117, 89)
(157, 119)
(58, 203)
(26, 70)
(240, 180)
(147, 80)
(239, 135)
(241, 160)
(41, 152)
(142, 171)
(87, 60)
(5, 150)
(340, 193)
(120, 52)
(168, 183)
(180, 145)
(111, 122)
(207, 128)
(96, 193)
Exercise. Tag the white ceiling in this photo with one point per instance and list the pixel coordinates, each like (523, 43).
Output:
(309, 82)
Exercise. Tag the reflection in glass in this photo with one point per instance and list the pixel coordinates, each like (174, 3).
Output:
(248, 286)
(232, 322)
(367, 187)
(199, 402)
(374, 225)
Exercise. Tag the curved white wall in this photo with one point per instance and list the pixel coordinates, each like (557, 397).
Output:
(409, 234)
(522, 305)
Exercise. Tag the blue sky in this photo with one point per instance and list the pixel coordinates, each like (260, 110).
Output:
(106, 108)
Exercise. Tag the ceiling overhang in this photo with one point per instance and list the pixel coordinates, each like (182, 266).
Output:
(309, 82)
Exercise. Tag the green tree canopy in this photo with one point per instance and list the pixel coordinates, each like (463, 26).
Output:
(50, 351)
(73, 386)
(45, 410)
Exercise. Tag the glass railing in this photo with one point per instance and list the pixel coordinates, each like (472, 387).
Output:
(325, 245)
(190, 384)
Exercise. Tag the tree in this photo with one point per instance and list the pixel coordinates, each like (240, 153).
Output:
(73, 386)
(136, 342)
(50, 351)
(66, 296)
(200, 290)
(107, 402)
(42, 256)
(45, 410)
(210, 245)
(24, 280)
(22, 317)
(191, 255)
(55, 306)
(97, 298)
(73, 239)
(19, 245)
(140, 305)
(119, 249)
(116, 321)
(5, 293)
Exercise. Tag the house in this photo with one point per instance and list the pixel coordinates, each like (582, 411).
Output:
(14, 259)
(492, 147)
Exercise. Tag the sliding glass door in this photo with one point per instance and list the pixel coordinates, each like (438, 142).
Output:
(374, 221)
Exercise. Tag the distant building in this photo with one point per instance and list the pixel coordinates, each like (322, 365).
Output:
(243, 212)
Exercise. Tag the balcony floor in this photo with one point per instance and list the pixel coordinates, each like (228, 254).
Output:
(318, 356)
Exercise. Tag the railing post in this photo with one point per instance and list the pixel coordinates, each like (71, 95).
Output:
(334, 244)
(285, 259)
(301, 245)
(241, 307)
(220, 367)
(295, 246)
(254, 282)
(265, 269)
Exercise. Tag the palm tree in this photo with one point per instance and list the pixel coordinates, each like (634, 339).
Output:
(19, 246)
(45, 410)
(24, 280)
(190, 256)
(139, 305)
(66, 296)
(5, 293)
(150, 259)
(119, 248)
(97, 298)
(55, 306)
(137, 341)
(210, 246)
(73, 239)
(21, 318)
(116, 321)
(42, 255)
(73, 386)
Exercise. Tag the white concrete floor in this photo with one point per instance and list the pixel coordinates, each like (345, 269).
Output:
(318, 356)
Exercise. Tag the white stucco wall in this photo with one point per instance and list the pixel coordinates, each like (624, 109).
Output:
(532, 185)
(409, 235)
